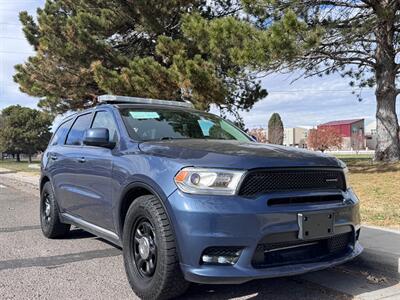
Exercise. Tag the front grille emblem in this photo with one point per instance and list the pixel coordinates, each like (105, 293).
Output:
(331, 180)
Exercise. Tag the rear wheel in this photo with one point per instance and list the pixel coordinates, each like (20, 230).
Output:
(49, 214)
(150, 254)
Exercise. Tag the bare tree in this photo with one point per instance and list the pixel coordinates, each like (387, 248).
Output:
(359, 39)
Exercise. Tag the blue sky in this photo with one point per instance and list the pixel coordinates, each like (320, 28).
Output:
(306, 102)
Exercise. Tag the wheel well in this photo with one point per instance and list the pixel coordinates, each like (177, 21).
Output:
(129, 197)
(43, 182)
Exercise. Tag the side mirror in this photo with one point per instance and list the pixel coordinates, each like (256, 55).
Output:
(254, 138)
(98, 137)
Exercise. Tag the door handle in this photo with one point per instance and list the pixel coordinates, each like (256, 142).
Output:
(81, 160)
(53, 157)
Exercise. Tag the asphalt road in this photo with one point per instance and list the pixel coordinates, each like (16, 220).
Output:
(85, 267)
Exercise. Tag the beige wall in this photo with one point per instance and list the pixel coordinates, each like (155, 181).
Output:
(295, 137)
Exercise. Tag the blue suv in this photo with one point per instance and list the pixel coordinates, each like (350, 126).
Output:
(192, 198)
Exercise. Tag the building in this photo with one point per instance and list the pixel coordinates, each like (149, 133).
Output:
(352, 132)
(370, 135)
(295, 137)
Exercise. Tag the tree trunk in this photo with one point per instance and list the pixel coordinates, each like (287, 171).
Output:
(18, 157)
(387, 126)
(30, 158)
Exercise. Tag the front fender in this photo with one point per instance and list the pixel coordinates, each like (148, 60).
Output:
(139, 181)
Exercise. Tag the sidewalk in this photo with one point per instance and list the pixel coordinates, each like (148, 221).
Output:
(26, 178)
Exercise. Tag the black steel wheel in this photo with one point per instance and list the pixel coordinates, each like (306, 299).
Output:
(50, 222)
(46, 209)
(145, 248)
(150, 253)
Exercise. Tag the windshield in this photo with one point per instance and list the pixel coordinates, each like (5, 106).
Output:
(163, 124)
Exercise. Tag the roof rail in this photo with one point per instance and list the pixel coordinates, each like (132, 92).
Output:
(125, 99)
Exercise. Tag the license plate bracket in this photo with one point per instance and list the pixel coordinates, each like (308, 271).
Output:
(314, 225)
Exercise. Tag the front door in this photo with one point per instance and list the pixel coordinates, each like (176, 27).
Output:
(93, 177)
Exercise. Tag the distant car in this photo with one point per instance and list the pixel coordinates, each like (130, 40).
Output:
(192, 198)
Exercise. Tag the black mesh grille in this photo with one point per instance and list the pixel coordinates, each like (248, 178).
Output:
(339, 242)
(258, 182)
(222, 251)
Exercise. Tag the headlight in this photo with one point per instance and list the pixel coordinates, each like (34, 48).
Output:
(346, 176)
(208, 181)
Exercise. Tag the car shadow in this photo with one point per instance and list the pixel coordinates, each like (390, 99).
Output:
(77, 233)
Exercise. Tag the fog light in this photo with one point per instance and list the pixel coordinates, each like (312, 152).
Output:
(207, 259)
(221, 255)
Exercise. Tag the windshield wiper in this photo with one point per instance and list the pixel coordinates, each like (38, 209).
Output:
(168, 138)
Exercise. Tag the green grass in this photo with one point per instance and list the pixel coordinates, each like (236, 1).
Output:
(18, 166)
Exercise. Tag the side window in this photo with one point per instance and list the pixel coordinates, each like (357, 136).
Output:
(59, 135)
(104, 119)
(75, 135)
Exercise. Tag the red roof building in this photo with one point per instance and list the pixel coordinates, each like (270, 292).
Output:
(352, 132)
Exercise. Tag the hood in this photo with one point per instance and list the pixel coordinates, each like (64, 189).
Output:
(235, 154)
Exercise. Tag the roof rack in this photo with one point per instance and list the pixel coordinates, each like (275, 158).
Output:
(125, 99)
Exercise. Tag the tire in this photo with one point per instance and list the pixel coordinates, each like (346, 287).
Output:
(50, 216)
(159, 276)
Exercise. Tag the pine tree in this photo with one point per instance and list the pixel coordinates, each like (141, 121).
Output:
(275, 129)
(137, 48)
(24, 130)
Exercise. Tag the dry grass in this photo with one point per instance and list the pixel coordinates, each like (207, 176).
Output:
(377, 186)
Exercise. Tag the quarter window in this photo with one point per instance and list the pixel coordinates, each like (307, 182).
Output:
(75, 135)
(59, 135)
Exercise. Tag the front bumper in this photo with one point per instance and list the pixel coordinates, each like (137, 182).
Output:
(223, 221)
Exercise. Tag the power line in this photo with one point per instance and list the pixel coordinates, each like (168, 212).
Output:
(17, 52)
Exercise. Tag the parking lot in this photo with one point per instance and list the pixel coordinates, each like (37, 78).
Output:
(85, 267)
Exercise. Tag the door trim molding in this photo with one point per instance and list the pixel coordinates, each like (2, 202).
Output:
(92, 228)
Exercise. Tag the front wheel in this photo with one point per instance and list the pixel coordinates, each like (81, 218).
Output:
(149, 249)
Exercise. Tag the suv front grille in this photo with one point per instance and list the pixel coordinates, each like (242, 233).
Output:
(296, 252)
(265, 181)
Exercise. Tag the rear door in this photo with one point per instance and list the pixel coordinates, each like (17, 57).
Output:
(71, 193)
(54, 159)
